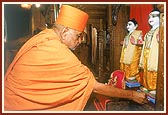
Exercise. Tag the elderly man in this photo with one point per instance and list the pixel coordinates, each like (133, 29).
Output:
(46, 75)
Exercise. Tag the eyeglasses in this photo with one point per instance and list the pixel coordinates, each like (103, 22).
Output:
(80, 35)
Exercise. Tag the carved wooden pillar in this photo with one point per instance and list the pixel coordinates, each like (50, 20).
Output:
(160, 79)
(101, 47)
(110, 31)
(117, 15)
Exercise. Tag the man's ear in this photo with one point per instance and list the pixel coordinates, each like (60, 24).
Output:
(64, 32)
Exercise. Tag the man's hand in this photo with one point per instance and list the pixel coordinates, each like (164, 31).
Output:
(111, 91)
(139, 97)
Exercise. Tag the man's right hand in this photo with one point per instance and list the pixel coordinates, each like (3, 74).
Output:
(139, 97)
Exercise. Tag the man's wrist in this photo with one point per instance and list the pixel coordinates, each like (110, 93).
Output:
(131, 95)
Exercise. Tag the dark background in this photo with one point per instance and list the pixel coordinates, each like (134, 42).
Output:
(17, 21)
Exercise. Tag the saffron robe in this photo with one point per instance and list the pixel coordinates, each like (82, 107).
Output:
(149, 60)
(130, 56)
(46, 75)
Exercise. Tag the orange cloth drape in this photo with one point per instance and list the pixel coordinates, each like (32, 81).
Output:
(141, 13)
(46, 75)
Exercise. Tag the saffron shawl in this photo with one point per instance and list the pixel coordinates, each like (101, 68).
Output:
(46, 75)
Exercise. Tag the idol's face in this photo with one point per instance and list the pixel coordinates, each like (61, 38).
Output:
(154, 18)
(131, 26)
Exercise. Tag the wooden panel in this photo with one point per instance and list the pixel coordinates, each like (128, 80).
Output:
(117, 34)
(160, 80)
(95, 12)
